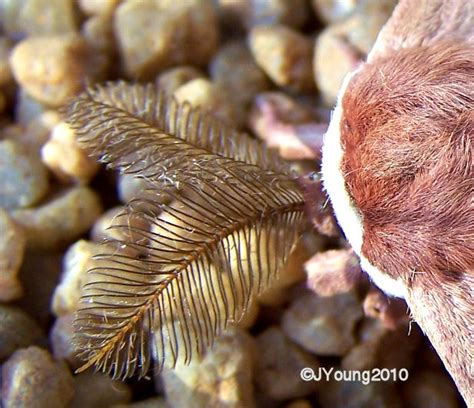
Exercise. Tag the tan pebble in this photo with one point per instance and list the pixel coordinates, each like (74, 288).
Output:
(27, 109)
(249, 14)
(22, 18)
(279, 364)
(285, 55)
(6, 76)
(171, 79)
(38, 131)
(428, 389)
(77, 261)
(331, 11)
(323, 325)
(95, 7)
(299, 403)
(17, 330)
(60, 220)
(223, 377)
(153, 36)
(234, 69)
(24, 177)
(51, 69)
(61, 339)
(31, 378)
(99, 390)
(63, 155)
(12, 248)
(209, 97)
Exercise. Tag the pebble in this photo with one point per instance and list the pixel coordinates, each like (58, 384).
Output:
(392, 312)
(61, 340)
(24, 178)
(249, 14)
(333, 272)
(323, 325)
(51, 69)
(153, 36)
(23, 18)
(341, 47)
(77, 261)
(38, 131)
(330, 11)
(94, 390)
(66, 159)
(222, 378)
(209, 97)
(279, 364)
(285, 55)
(5, 70)
(17, 330)
(95, 7)
(154, 402)
(12, 248)
(27, 109)
(62, 219)
(246, 80)
(428, 389)
(171, 79)
(31, 378)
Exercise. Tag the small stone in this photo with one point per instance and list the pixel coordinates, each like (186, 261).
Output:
(222, 378)
(38, 131)
(61, 340)
(246, 81)
(299, 403)
(333, 272)
(279, 364)
(337, 394)
(288, 126)
(99, 390)
(323, 325)
(285, 55)
(12, 248)
(27, 109)
(94, 7)
(392, 312)
(428, 389)
(209, 97)
(23, 18)
(330, 11)
(153, 36)
(24, 178)
(61, 220)
(249, 14)
(31, 378)
(6, 76)
(341, 47)
(65, 157)
(154, 402)
(171, 79)
(17, 330)
(51, 69)
(77, 261)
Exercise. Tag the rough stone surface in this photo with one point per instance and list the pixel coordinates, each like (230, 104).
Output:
(171, 79)
(95, 7)
(12, 247)
(22, 18)
(31, 378)
(65, 158)
(153, 36)
(285, 55)
(60, 220)
(77, 261)
(331, 11)
(223, 378)
(61, 340)
(209, 97)
(279, 364)
(17, 330)
(51, 69)
(94, 390)
(323, 325)
(24, 178)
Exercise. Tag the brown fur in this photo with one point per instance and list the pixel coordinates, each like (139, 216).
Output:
(408, 135)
